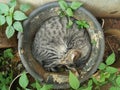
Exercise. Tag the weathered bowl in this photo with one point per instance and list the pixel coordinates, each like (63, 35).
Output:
(31, 26)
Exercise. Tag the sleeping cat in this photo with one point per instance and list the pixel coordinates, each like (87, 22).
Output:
(54, 41)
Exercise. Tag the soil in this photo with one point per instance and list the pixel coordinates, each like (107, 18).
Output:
(112, 39)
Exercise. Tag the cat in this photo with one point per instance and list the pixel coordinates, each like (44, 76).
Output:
(53, 41)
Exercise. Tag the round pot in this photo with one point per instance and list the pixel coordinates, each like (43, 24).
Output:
(31, 26)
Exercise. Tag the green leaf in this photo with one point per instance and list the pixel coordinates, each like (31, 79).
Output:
(79, 23)
(70, 23)
(18, 26)
(11, 10)
(33, 85)
(93, 42)
(47, 87)
(4, 8)
(107, 75)
(2, 20)
(95, 80)
(38, 87)
(63, 4)
(111, 70)
(114, 88)
(82, 24)
(90, 82)
(86, 25)
(9, 31)
(23, 80)
(9, 20)
(69, 12)
(112, 78)
(102, 66)
(75, 5)
(102, 78)
(86, 88)
(8, 53)
(73, 81)
(111, 59)
(18, 15)
(24, 7)
(12, 3)
(4, 87)
(118, 81)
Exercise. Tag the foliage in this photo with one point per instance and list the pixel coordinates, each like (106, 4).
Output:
(24, 83)
(12, 17)
(68, 10)
(6, 76)
(107, 74)
(73, 81)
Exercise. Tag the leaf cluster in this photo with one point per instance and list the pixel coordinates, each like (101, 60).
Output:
(5, 76)
(24, 83)
(108, 74)
(68, 10)
(12, 17)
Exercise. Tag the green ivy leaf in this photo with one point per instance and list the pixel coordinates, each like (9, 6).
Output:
(111, 70)
(18, 26)
(118, 81)
(75, 5)
(4, 8)
(69, 12)
(73, 81)
(2, 20)
(24, 7)
(23, 80)
(9, 20)
(63, 4)
(18, 15)
(47, 87)
(9, 31)
(102, 66)
(111, 59)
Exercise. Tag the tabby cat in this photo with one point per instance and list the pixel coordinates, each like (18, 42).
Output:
(53, 41)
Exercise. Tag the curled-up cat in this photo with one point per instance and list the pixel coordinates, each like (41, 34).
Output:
(55, 45)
